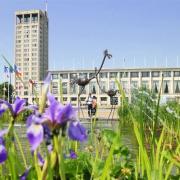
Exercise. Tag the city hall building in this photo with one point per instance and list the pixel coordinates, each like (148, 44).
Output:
(61, 83)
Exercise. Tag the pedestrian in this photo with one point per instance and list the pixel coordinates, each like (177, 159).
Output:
(89, 103)
(94, 105)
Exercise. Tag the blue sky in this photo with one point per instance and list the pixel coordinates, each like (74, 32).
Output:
(144, 32)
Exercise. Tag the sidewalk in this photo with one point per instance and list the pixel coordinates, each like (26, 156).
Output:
(102, 113)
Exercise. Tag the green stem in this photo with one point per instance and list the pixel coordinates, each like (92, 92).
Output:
(37, 167)
(21, 150)
(58, 144)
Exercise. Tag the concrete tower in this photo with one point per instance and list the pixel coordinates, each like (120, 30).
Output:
(31, 50)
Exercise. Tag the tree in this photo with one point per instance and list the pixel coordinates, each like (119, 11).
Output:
(4, 91)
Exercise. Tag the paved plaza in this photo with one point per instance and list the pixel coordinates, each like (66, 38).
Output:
(102, 113)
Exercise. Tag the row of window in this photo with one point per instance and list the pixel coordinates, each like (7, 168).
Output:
(121, 74)
(93, 88)
(25, 41)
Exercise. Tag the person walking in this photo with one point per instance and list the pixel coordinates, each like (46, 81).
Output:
(89, 103)
(94, 105)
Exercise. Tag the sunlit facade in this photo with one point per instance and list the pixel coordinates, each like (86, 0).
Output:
(129, 78)
(31, 49)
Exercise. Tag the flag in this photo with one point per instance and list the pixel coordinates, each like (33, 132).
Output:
(17, 72)
(11, 70)
(6, 71)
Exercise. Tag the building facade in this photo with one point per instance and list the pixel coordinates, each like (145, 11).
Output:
(129, 79)
(31, 49)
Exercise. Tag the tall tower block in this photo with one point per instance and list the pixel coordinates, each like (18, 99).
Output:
(31, 49)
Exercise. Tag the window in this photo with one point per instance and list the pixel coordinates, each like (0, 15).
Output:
(155, 74)
(113, 74)
(134, 84)
(26, 18)
(83, 98)
(123, 74)
(103, 86)
(55, 91)
(73, 88)
(54, 85)
(166, 73)
(92, 87)
(34, 27)
(145, 84)
(91, 75)
(83, 75)
(103, 75)
(177, 87)
(73, 75)
(134, 74)
(34, 18)
(80, 90)
(25, 93)
(103, 98)
(65, 98)
(112, 85)
(64, 87)
(54, 76)
(166, 86)
(125, 86)
(176, 73)
(145, 74)
(64, 76)
(73, 98)
(155, 86)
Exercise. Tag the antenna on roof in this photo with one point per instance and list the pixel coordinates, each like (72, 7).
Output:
(46, 5)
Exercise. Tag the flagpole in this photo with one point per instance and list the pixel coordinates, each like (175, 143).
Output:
(8, 90)
(9, 87)
(4, 89)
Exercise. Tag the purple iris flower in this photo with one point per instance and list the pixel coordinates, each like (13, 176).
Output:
(77, 132)
(57, 114)
(73, 155)
(3, 152)
(17, 107)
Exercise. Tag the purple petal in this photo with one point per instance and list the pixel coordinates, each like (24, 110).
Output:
(8, 105)
(3, 132)
(35, 135)
(47, 79)
(18, 105)
(40, 159)
(65, 114)
(3, 153)
(32, 107)
(73, 155)
(34, 119)
(25, 174)
(51, 98)
(76, 131)
(2, 111)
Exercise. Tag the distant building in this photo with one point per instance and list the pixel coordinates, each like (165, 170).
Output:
(129, 78)
(31, 49)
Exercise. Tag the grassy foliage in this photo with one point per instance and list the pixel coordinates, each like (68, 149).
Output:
(104, 156)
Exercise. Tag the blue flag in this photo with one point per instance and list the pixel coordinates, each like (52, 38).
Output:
(6, 71)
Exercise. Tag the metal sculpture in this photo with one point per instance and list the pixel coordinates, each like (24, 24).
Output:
(82, 82)
(111, 93)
